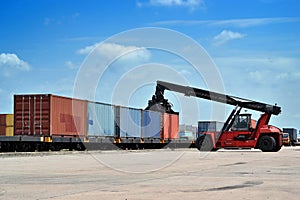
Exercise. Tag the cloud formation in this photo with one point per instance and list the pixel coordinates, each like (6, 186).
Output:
(113, 50)
(187, 3)
(227, 35)
(192, 4)
(240, 23)
(13, 61)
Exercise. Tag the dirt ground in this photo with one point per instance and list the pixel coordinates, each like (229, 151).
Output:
(151, 174)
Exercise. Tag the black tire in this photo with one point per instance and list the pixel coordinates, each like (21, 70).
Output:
(204, 143)
(267, 143)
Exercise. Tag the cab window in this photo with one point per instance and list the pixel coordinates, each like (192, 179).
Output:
(242, 122)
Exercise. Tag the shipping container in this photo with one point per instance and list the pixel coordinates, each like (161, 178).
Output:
(152, 124)
(171, 126)
(9, 119)
(130, 122)
(292, 133)
(3, 119)
(186, 135)
(9, 131)
(46, 114)
(188, 128)
(6, 125)
(253, 123)
(2, 130)
(101, 119)
(2, 124)
(209, 126)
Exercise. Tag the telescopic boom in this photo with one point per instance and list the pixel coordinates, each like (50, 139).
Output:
(158, 98)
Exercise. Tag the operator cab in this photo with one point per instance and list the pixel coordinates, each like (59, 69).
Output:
(242, 122)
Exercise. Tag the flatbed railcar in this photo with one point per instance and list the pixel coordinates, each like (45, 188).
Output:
(42, 143)
(44, 122)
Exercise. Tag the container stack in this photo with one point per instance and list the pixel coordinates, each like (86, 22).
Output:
(6, 124)
(292, 134)
(188, 132)
(209, 126)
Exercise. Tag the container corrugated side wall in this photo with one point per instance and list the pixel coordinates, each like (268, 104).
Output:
(3, 119)
(151, 126)
(130, 122)
(101, 119)
(2, 124)
(68, 116)
(209, 126)
(171, 126)
(32, 114)
(292, 133)
(9, 119)
(174, 127)
(6, 124)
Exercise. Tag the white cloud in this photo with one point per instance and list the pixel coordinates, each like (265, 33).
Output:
(113, 50)
(192, 4)
(253, 70)
(257, 61)
(187, 3)
(70, 65)
(240, 23)
(249, 22)
(13, 61)
(226, 35)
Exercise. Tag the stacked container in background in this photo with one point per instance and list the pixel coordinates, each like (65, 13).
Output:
(292, 134)
(6, 124)
(209, 126)
(188, 131)
(253, 123)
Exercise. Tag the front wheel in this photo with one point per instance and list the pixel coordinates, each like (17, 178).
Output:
(267, 143)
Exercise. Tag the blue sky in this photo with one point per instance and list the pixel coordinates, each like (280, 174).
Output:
(254, 44)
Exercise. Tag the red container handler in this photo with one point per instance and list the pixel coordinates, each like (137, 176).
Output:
(171, 126)
(49, 115)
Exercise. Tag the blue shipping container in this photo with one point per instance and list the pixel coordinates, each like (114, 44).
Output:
(151, 124)
(100, 119)
(292, 133)
(130, 122)
(209, 126)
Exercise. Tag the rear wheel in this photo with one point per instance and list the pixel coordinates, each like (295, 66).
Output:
(204, 143)
(267, 143)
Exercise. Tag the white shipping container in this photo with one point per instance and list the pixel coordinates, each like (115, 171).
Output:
(100, 119)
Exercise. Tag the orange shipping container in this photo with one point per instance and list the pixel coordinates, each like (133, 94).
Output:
(171, 126)
(253, 123)
(46, 114)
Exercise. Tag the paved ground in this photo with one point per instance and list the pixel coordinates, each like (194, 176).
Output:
(155, 174)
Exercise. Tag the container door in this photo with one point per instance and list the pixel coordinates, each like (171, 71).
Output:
(117, 121)
(31, 114)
